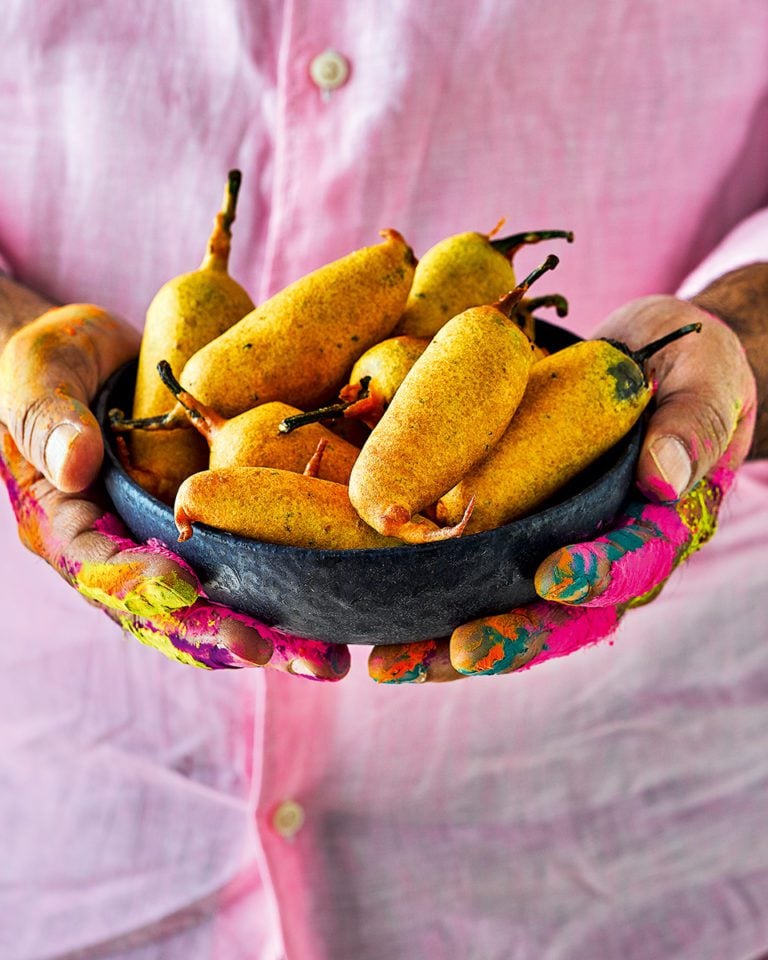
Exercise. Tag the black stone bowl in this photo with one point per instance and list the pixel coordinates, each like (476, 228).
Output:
(390, 595)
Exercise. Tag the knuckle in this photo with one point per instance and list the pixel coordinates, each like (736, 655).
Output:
(701, 419)
(36, 360)
(716, 429)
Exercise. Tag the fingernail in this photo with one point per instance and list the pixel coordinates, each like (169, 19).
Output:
(482, 647)
(571, 575)
(313, 659)
(575, 590)
(401, 663)
(674, 464)
(322, 672)
(60, 441)
(248, 649)
(302, 667)
(253, 652)
(395, 673)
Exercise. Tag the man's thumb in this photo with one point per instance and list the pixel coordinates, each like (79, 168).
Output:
(684, 443)
(59, 436)
(50, 370)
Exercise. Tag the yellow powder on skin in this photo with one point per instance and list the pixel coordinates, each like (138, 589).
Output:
(160, 641)
(124, 587)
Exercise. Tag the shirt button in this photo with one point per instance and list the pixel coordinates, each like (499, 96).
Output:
(329, 70)
(288, 819)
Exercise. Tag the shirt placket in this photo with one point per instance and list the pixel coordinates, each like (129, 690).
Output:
(314, 68)
(293, 744)
(295, 749)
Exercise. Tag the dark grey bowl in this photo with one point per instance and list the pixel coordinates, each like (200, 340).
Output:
(392, 595)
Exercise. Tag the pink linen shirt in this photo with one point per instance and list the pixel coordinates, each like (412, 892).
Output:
(608, 806)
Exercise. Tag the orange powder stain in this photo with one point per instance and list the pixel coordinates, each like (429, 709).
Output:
(489, 661)
(406, 661)
(116, 579)
(34, 531)
(20, 469)
(19, 475)
(75, 408)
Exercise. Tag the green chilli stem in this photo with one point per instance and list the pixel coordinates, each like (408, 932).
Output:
(641, 355)
(334, 411)
(508, 246)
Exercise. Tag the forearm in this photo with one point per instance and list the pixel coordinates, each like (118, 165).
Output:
(18, 306)
(740, 299)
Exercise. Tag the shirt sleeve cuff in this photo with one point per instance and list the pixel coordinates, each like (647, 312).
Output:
(746, 243)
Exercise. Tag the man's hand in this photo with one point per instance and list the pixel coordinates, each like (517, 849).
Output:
(50, 371)
(706, 403)
(698, 435)
(50, 456)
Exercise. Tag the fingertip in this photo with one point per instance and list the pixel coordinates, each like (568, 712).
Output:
(494, 645)
(665, 469)
(574, 574)
(468, 653)
(312, 659)
(396, 663)
(423, 661)
(73, 453)
(655, 488)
